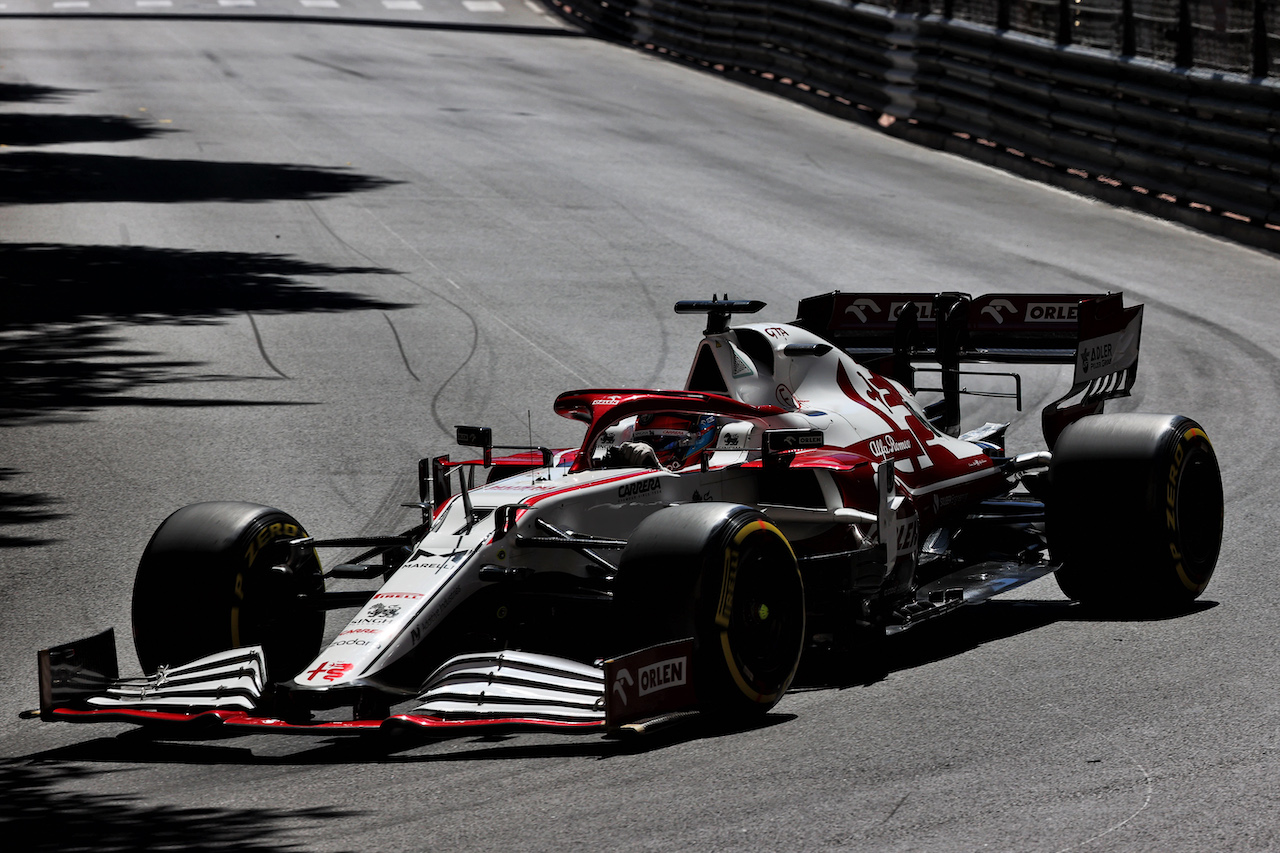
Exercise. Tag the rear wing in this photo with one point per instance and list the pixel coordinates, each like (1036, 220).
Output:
(892, 332)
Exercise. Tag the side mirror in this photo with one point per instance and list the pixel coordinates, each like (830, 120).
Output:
(469, 436)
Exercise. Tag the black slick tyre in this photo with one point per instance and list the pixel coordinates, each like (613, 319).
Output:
(1135, 511)
(206, 583)
(723, 575)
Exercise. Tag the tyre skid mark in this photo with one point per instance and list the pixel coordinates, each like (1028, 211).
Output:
(475, 346)
(417, 285)
(262, 348)
(400, 345)
(404, 356)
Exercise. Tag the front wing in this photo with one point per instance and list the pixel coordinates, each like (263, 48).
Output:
(482, 692)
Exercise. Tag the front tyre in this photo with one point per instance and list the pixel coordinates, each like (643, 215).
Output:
(207, 582)
(1135, 512)
(723, 575)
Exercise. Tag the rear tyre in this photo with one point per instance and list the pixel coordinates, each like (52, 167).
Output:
(1135, 511)
(206, 584)
(723, 575)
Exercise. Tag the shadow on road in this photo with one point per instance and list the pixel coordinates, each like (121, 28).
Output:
(38, 809)
(23, 508)
(94, 795)
(42, 177)
(67, 308)
(954, 634)
(55, 283)
(29, 93)
(61, 351)
(31, 130)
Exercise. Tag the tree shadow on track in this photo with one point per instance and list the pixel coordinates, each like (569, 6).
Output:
(23, 508)
(82, 797)
(61, 352)
(32, 129)
(67, 309)
(29, 93)
(26, 130)
(41, 177)
(48, 177)
(40, 812)
(54, 283)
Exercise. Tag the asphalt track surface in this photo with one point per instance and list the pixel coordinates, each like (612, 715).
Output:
(278, 262)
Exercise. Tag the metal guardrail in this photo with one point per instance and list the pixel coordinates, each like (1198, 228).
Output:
(1195, 145)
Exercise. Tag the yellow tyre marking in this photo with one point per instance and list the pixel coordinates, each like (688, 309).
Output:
(1196, 433)
(726, 603)
(1175, 484)
(1189, 583)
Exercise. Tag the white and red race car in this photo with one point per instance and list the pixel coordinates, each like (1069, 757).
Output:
(795, 496)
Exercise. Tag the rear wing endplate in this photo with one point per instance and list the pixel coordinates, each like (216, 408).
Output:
(891, 332)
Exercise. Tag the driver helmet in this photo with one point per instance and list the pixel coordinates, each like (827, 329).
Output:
(678, 439)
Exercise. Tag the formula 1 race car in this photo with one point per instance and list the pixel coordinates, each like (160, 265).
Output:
(796, 496)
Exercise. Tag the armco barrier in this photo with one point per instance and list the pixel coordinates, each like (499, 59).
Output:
(1194, 145)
